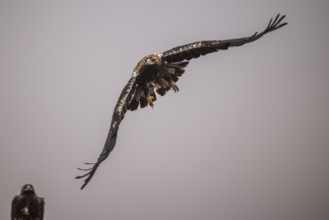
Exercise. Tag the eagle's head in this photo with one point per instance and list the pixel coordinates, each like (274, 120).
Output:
(27, 189)
(153, 59)
(148, 62)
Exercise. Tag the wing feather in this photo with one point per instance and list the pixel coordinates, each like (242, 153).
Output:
(13, 207)
(41, 203)
(196, 49)
(118, 115)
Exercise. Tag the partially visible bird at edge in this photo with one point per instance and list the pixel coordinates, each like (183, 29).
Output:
(157, 74)
(27, 205)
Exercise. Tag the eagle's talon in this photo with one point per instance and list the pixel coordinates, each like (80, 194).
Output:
(150, 100)
(174, 87)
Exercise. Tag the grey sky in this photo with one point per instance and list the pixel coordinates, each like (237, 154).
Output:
(246, 138)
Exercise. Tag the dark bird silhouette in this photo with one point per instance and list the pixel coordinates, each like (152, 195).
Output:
(158, 73)
(27, 205)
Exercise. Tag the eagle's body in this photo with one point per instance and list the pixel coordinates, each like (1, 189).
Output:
(158, 73)
(27, 205)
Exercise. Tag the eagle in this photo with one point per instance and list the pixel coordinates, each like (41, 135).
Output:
(157, 74)
(27, 205)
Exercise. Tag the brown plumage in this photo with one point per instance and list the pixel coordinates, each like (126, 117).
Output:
(157, 74)
(27, 205)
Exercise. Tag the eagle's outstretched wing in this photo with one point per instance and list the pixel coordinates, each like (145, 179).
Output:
(118, 115)
(139, 91)
(174, 61)
(197, 49)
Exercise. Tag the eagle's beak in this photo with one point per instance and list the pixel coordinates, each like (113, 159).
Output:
(149, 62)
(28, 188)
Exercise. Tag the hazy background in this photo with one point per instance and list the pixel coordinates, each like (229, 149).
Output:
(246, 138)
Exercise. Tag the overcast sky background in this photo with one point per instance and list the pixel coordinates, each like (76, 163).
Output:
(245, 138)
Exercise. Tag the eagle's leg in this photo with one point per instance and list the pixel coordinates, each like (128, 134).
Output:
(171, 83)
(150, 100)
(174, 86)
(149, 97)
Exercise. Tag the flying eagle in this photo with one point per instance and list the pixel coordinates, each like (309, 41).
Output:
(158, 73)
(27, 205)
